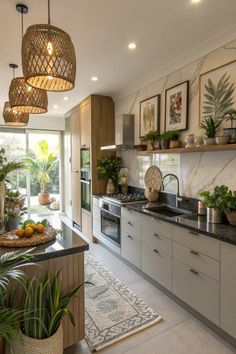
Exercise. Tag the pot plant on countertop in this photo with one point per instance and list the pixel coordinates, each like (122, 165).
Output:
(228, 205)
(109, 168)
(210, 126)
(214, 203)
(14, 209)
(44, 306)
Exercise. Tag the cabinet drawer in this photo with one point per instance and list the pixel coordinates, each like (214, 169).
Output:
(198, 261)
(131, 227)
(96, 213)
(155, 241)
(158, 266)
(203, 244)
(131, 215)
(156, 226)
(131, 248)
(197, 290)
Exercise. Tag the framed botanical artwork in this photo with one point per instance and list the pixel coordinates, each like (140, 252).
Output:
(217, 91)
(176, 107)
(150, 115)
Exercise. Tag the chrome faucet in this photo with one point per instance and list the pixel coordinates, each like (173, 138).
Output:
(178, 198)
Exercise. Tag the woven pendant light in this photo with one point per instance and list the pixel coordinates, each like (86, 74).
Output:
(48, 57)
(22, 97)
(13, 118)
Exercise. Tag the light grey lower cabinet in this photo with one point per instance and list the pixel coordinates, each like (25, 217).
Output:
(197, 290)
(228, 289)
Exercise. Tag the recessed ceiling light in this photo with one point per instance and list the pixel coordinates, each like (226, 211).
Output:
(132, 45)
(65, 98)
(195, 1)
(55, 106)
(94, 78)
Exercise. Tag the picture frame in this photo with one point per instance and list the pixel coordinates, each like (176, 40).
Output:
(223, 79)
(177, 107)
(149, 119)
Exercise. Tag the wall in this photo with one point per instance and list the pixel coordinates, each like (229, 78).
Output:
(197, 171)
(42, 123)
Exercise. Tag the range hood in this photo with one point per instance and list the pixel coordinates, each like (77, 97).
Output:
(124, 133)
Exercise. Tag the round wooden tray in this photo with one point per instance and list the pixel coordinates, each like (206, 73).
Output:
(10, 239)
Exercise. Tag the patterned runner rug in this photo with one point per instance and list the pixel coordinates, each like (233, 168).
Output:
(112, 311)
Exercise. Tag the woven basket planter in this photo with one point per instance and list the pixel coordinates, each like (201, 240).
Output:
(28, 345)
(231, 217)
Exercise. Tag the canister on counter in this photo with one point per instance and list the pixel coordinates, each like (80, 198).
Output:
(201, 208)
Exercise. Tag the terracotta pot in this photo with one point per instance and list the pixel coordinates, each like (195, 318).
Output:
(175, 144)
(52, 345)
(2, 201)
(231, 216)
(44, 198)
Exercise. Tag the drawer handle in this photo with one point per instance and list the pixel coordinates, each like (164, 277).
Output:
(194, 233)
(156, 251)
(75, 171)
(130, 223)
(194, 271)
(194, 252)
(156, 235)
(130, 237)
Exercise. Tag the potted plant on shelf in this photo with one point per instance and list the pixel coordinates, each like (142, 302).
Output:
(109, 168)
(6, 167)
(230, 115)
(10, 269)
(41, 165)
(210, 126)
(174, 143)
(44, 306)
(214, 203)
(153, 140)
(14, 209)
(167, 136)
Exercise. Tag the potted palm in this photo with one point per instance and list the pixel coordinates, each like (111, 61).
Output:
(10, 269)
(44, 306)
(109, 168)
(6, 167)
(41, 166)
(210, 126)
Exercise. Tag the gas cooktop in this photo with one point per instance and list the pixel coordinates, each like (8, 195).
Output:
(125, 198)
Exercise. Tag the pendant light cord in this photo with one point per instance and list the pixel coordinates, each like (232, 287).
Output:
(22, 24)
(49, 14)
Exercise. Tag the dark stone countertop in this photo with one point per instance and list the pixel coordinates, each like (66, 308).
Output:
(66, 243)
(194, 222)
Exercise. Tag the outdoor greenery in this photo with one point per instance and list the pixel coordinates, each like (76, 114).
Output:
(218, 198)
(218, 98)
(45, 306)
(42, 164)
(210, 126)
(109, 167)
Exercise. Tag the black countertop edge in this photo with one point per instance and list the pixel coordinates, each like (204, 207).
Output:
(222, 232)
(62, 253)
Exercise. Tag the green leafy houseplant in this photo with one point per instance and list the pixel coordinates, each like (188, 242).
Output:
(42, 165)
(216, 198)
(218, 97)
(109, 167)
(10, 268)
(152, 136)
(167, 136)
(14, 208)
(45, 306)
(210, 126)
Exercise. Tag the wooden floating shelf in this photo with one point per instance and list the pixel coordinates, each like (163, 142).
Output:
(202, 148)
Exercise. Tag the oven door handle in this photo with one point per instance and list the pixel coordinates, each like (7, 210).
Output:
(85, 181)
(109, 212)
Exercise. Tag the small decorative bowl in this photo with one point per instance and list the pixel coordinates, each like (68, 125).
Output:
(222, 140)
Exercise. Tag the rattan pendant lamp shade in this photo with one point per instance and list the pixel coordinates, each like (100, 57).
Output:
(13, 118)
(48, 57)
(22, 97)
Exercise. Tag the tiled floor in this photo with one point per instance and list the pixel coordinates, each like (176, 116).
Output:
(178, 333)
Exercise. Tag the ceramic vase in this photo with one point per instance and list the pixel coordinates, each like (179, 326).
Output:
(174, 144)
(149, 146)
(198, 141)
(189, 141)
(110, 187)
(28, 345)
(209, 141)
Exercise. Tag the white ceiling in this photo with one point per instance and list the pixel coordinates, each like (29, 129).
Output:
(164, 30)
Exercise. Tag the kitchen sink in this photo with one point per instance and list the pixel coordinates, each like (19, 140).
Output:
(166, 210)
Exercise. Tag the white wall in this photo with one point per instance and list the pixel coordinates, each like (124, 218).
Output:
(197, 171)
(42, 122)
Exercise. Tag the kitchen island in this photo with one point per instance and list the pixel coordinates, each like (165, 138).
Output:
(65, 253)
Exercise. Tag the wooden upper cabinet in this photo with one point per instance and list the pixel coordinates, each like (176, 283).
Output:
(75, 140)
(85, 123)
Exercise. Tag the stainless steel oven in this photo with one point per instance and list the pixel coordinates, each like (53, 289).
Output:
(110, 221)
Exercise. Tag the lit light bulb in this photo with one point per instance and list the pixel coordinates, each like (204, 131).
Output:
(49, 48)
(29, 88)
